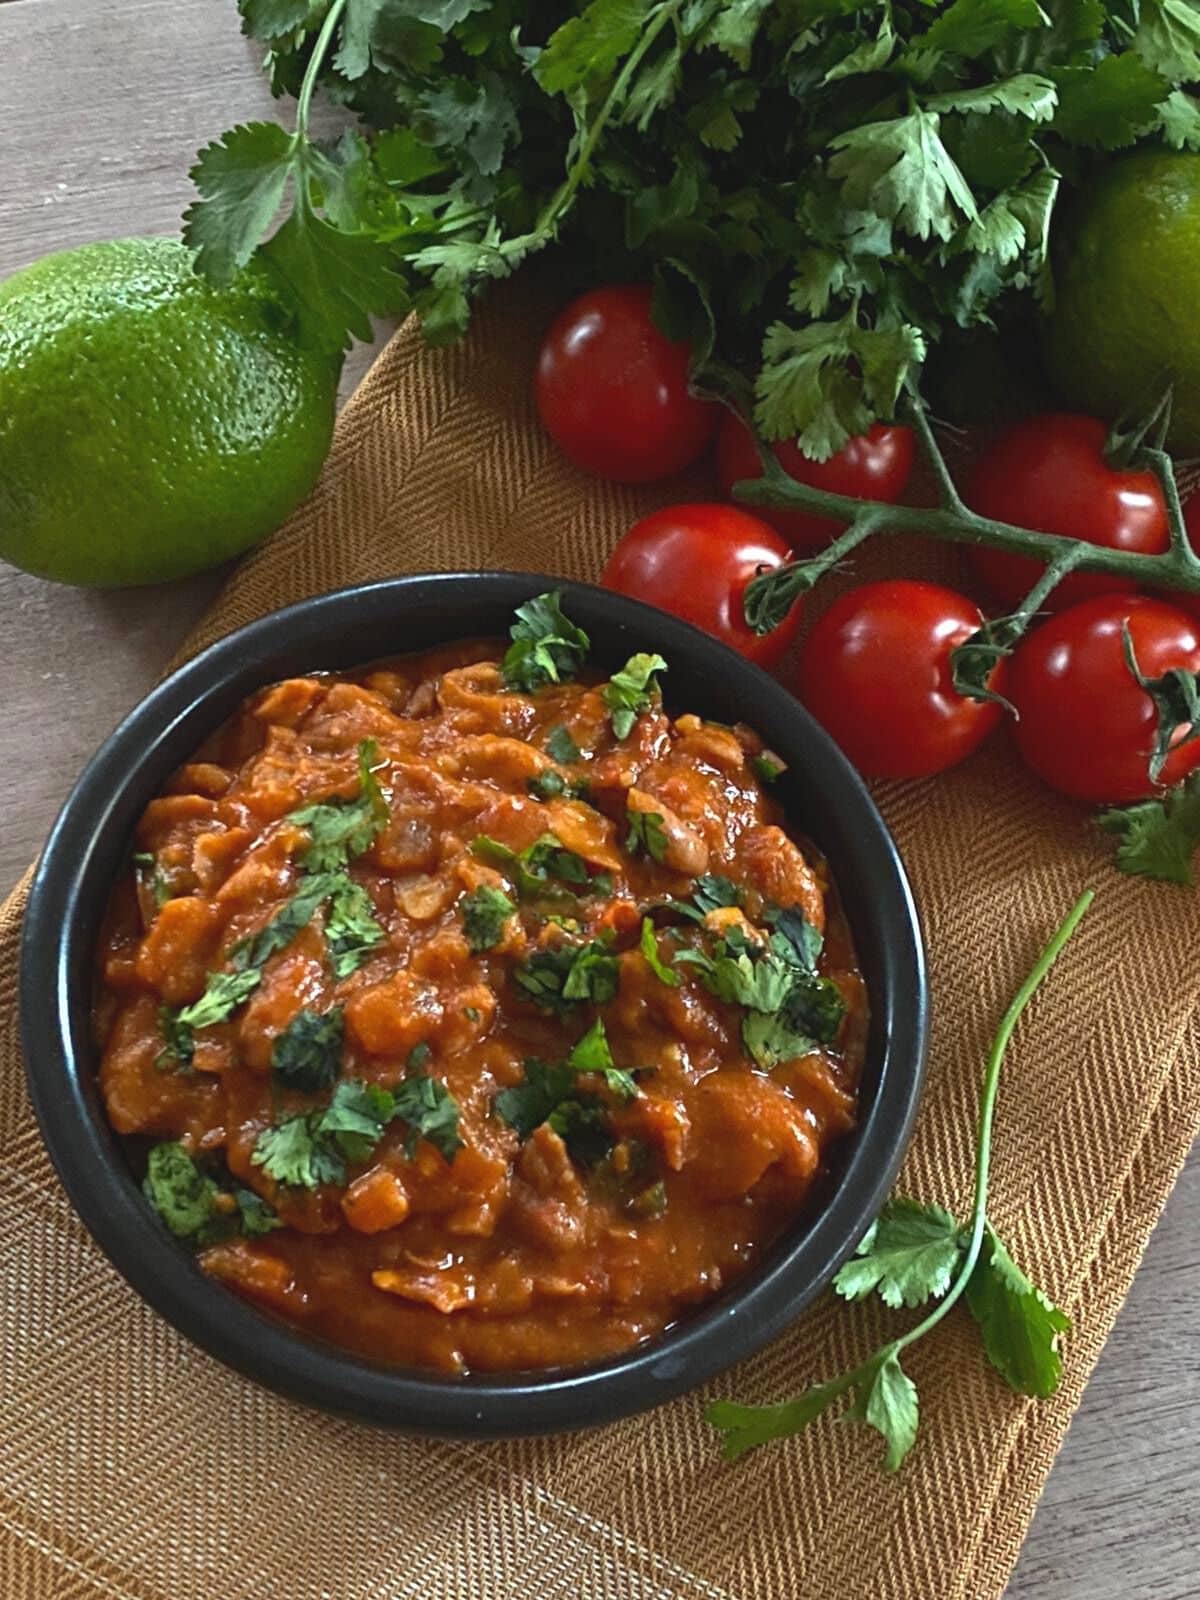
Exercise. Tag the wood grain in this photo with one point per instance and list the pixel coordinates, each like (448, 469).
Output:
(103, 104)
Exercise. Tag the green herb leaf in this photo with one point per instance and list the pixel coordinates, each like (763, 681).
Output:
(560, 746)
(546, 646)
(1158, 838)
(632, 691)
(562, 975)
(901, 171)
(886, 1400)
(294, 1153)
(646, 835)
(591, 1053)
(484, 912)
(794, 937)
(339, 830)
(548, 785)
(585, 49)
(649, 947)
(351, 931)
(527, 1105)
(431, 1112)
(767, 767)
(1107, 106)
(534, 869)
(1020, 1326)
(255, 1215)
(1168, 38)
(251, 953)
(241, 178)
(711, 892)
(179, 1191)
(908, 1255)
(307, 1055)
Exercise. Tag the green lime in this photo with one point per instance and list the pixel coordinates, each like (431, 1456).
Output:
(151, 425)
(1126, 292)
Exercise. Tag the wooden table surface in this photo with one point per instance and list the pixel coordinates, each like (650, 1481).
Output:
(103, 104)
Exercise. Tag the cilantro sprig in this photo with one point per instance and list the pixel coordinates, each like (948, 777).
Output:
(546, 647)
(549, 1092)
(820, 193)
(339, 830)
(632, 691)
(1158, 838)
(914, 1253)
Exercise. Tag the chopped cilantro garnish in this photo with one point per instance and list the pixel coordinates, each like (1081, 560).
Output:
(632, 690)
(711, 892)
(307, 1054)
(194, 1206)
(550, 1094)
(768, 766)
(533, 869)
(563, 974)
(418, 1057)
(646, 833)
(546, 646)
(351, 931)
(548, 785)
(560, 746)
(339, 830)
(649, 948)
(152, 876)
(313, 1148)
(601, 885)
(484, 913)
(790, 1011)
(278, 933)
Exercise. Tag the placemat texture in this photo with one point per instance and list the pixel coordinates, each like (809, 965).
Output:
(134, 1467)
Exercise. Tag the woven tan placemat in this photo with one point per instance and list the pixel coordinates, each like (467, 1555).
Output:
(134, 1467)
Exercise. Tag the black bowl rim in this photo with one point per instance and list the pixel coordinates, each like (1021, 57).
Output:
(107, 1199)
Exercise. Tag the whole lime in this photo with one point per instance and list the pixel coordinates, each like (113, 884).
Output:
(151, 425)
(1125, 321)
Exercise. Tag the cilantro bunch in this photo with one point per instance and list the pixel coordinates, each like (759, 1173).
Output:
(819, 189)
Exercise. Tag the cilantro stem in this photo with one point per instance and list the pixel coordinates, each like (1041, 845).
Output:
(565, 193)
(311, 72)
(987, 1114)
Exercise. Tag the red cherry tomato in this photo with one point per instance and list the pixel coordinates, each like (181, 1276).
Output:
(1083, 724)
(875, 672)
(1049, 473)
(695, 562)
(612, 391)
(873, 467)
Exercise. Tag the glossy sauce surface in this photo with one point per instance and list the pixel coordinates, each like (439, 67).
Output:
(521, 1247)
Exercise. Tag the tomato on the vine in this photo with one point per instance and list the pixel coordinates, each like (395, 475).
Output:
(612, 390)
(1084, 724)
(1049, 473)
(695, 561)
(875, 671)
(875, 466)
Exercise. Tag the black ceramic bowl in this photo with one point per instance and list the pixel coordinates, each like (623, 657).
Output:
(90, 843)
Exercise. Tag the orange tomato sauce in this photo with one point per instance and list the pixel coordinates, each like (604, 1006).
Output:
(504, 1246)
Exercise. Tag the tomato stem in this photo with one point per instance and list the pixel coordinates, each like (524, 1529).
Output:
(769, 597)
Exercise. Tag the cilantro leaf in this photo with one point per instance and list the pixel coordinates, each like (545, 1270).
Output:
(339, 830)
(534, 869)
(1026, 95)
(909, 1255)
(1020, 1326)
(649, 948)
(338, 280)
(351, 931)
(560, 746)
(1109, 105)
(591, 1053)
(273, 19)
(646, 835)
(527, 1105)
(561, 975)
(546, 646)
(223, 993)
(294, 1154)
(484, 912)
(902, 171)
(584, 50)
(1179, 119)
(358, 20)
(183, 1196)
(255, 1215)
(194, 1206)
(880, 1392)
(632, 691)
(548, 785)
(1168, 38)
(795, 938)
(241, 178)
(1158, 838)
(250, 953)
(711, 892)
(307, 1054)
(972, 28)
(430, 1111)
